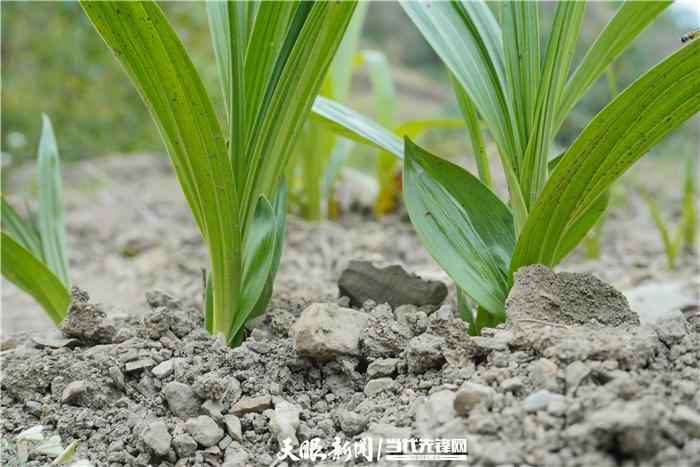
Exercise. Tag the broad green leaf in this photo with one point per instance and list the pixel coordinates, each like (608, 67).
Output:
(155, 60)
(467, 38)
(23, 233)
(629, 21)
(259, 254)
(298, 84)
(26, 271)
(560, 51)
(354, 125)
(618, 136)
(464, 226)
(51, 227)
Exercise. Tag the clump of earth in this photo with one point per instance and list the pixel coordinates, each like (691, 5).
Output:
(549, 387)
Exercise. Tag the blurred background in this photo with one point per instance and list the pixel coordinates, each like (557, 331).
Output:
(53, 62)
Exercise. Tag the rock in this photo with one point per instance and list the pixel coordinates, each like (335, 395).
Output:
(117, 377)
(46, 343)
(543, 374)
(424, 352)
(514, 384)
(352, 423)
(375, 386)
(540, 400)
(233, 427)
(256, 404)
(204, 430)
(435, 413)
(7, 343)
(210, 386)
(485, 345)
(383, 336)
(163, 369)
(158, 298)
(575, 373)
(235, 456)
(382, 367)
(361, 281)
(34, 408)
(687, 419)
(80, 393)
(87, 322)
(285, 421)
(157, 438)
(470, 395)
(156, 323)
(214, 409)
(541, 295)
(182, 400)
(184, 445)
(653, 299)
(325, 330)
(670, 327)
(139, 365)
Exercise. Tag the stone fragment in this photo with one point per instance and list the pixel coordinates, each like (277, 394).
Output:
(233, 427)
(285, 421)
(139, 365)
(214, 409)
(434, 414)
(117, 377)
(34, 408)
(157, 438)
(375, 386)
(361, 281)
(204, 430)
(235, 456)
(77, 393)
(540, 400)
(156, 323)
(158, 298)
(541, 295)
(382, 367)
(182, 400)
(47, 343)
(670, 327)
(514, 384)
(87, 322)
(256, 404)
(325, 330)
(470, 395)
(184, 445)
(163, 369)
(575, 373)
(352, 423)
(210, 386)
(424, 352)
(543, 374)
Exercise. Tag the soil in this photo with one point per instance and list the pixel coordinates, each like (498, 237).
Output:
(143, 384)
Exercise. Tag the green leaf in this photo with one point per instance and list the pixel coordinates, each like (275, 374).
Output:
(21, 231)
(464, 226)
(617, 137)
(560, 51)
(26, 271)
(51, 228)
(383, 92)
(342, 66)
(354, 125)
(465, 312)
(66, 454)
(155, 60)
(629, 21)
(671, 242)
(259, 254)
(466, 37)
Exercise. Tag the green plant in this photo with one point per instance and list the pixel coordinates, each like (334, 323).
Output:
(687, 225)
(272, 57)
(523, 98)
(34, 250)
(19, 450)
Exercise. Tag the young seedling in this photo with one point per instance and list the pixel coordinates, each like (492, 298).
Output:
(31, 442)
(523, 96)
(34, 249)
(272, 58)
(687, 225)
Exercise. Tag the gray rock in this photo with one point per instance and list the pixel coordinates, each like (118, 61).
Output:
(163, 369)
(225, 441)
(182, 400)
(256, 404)
(157, 438)
(542, 295)
(435, 413)
(210, 386)
(352, 423)
(543, 374)
(670, 327)
(139, 365)
(34, 408)
(156, 323)
(285, 421)
(325, 330)
(470, 395)
(514, 384)
(204, 430)
(361, 281)
(424, 352)
(233, 427)
(375, 386)
(117, 377)
(575, 373)
(235, 456)
(214, 409)
(87, 322)
(158, 298)
(46, 343)
(383, 336)
(184, 445)
(382, 367)
(540, 400)
(79, 393)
